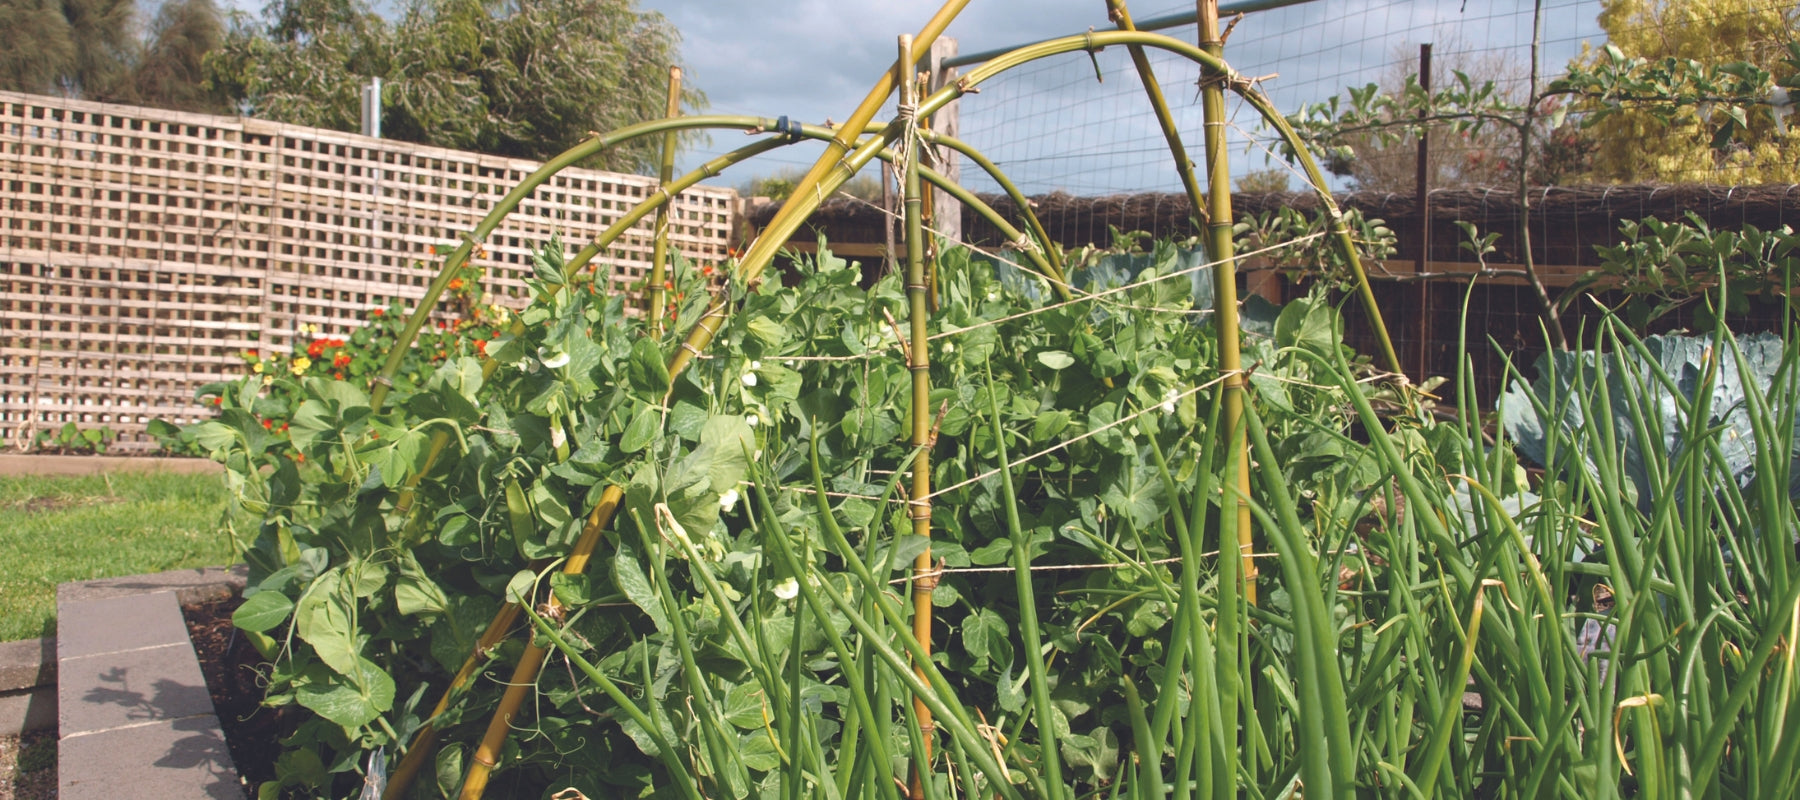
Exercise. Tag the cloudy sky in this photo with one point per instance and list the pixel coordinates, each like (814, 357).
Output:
(1052, 125)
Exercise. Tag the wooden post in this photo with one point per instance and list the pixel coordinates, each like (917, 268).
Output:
(1422, 189)
(946, 213)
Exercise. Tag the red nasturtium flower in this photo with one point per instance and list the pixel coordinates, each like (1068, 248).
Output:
(337, 375)
(342, 360)
(481, 346)
(456, 283)
(375, 312)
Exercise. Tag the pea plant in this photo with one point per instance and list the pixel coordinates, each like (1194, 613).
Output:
(1027, 523)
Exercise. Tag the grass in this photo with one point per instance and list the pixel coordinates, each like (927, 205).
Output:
(61, 529)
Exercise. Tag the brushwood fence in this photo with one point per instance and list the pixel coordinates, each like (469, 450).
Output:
(143, 251)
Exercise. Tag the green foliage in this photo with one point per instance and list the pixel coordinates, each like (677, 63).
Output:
(1733, 130)
(1662, 266)
(1302, 249)
(1662, 381)
(97, 50)
(519, 79)
(71, 439)
(742, 615)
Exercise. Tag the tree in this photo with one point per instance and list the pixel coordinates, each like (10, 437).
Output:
(525, 79)
(169, 75)
(78, 48)
(1682, 145)
(1461, 155)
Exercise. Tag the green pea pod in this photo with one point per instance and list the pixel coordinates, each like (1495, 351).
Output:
(518, 510)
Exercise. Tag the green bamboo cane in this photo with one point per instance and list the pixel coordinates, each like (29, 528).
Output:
(918, 362)
(1184, 166)
(510, 202)
(830, 171)
(718, 165)
(659, 252)
(1225, 298)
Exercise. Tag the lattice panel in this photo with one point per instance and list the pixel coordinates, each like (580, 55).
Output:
(141, 251)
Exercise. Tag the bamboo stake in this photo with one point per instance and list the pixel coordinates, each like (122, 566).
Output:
(1184, 167)
(813, 186)
(919, 363)
(659, 252)
(1225, 301)
(524, 677)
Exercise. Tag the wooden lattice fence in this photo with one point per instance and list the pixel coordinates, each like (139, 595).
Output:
(142, 251)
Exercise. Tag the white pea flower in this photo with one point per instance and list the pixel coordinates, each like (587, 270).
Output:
(949, 347)
(749, 379)
(993, 292)
(553, 358)
(729, 500)
(787, 589)
(752, 420)
(755, 365)
(1168, 403)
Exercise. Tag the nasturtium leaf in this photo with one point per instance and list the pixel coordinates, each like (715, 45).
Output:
(262, 611)
(214, 436)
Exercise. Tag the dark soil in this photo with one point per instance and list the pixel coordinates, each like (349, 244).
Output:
(231, 667)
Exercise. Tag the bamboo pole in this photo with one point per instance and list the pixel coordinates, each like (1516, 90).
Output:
(524, 677)
(1184, 166)
(865, 151)
(659, 253)
(815, 184)
(918, 353)
(1225, 301)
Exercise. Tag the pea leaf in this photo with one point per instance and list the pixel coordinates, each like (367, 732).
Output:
(1056, 359)
(262, 611)
(352, 700)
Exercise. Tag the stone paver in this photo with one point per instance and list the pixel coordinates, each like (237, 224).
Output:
(135, 719)
(169, 760)
(27, 710)
(115, 624)
(116, 690)
(27, 664)
(189, 585)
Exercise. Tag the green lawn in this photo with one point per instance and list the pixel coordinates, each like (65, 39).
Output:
(61, 529)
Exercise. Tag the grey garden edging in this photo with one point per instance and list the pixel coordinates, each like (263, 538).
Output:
(133, 712)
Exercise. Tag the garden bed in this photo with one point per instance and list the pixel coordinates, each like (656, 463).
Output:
(231, 665)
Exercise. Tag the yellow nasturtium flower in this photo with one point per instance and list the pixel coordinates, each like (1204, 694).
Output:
(300, 365)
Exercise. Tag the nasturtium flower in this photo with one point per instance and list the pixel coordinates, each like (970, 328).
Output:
(300, 365)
